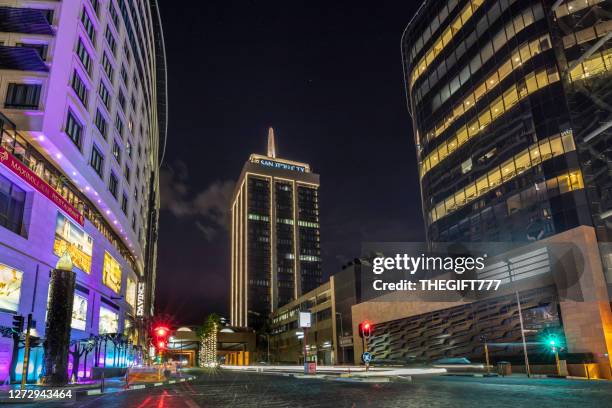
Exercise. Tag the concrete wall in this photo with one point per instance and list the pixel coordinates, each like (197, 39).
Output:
(585, 308)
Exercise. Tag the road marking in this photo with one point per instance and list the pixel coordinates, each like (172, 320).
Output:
(137, 386)
(171, 381)
(158, 384)
(94, 392)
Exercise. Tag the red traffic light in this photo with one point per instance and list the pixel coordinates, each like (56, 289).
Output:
(365, 329)
(161, 345)
(161, 331)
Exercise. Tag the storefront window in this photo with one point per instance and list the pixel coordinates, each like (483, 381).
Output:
(111, 274)
(70, 238)
(10, 288)
(109, 321)
(130, 292)
(79, 312)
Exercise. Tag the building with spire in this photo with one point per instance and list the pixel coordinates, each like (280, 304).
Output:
(275, 250)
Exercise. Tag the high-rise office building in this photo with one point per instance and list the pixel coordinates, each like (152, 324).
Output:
(83, 128)
(511, 115)
(274, 236)
(511, 108)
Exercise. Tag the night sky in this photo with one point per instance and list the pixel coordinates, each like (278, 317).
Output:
(327, 76)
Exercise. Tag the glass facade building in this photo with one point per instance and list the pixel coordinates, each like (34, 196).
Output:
(274, 236)
(83, 130)
(510, 101)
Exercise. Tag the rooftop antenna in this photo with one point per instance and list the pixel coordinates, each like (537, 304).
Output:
(271, 143)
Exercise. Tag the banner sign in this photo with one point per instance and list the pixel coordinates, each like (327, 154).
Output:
(140, 299)
(39, 184)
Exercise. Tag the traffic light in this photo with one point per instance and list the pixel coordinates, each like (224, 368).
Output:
(554, 343)
(160, 334)
(365, 329)
(161, 331)
(18, 323)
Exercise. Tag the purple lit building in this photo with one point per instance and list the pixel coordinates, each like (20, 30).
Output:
(83, 130)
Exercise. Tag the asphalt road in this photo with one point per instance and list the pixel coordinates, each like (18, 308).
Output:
(239, 389)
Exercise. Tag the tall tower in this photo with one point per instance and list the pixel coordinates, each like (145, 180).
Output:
(274, 236)
(83, 118)
(511, 139)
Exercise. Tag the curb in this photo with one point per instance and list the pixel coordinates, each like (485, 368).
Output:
(97, 391)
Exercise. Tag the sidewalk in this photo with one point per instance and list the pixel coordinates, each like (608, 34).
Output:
(111, 385)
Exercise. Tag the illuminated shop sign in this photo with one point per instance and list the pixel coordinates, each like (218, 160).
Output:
(39, 184)
(111, 273)
(10, 288)
(140, 299)
(69, 237)
(279, 165)
(130, 292)
(79, 312)
(109, 321)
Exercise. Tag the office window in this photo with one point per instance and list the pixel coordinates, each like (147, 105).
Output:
(113, 13)
(22, 96)
(79, 87)
(12, 202)
(88, 26)
(110, 39)
(107, 66)
(84, 57)
(134, 221)
(121, 99)
(113, 184)
(117, 151)
(74, 129)
(127, 172)
(124, 203)
(119, 124)
(97, 161)
(101, 123)
(124, 74)
(128, 148)
(95, 4)
(104, 95)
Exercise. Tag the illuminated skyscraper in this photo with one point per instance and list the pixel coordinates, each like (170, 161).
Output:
(511, 128)
(274, 236)
(83, 130)
(510, 102)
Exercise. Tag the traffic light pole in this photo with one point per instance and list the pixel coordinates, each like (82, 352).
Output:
(486, 350)
(26, 353)
(305, 350)
(557, 362)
